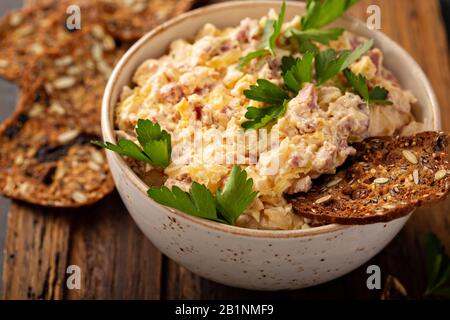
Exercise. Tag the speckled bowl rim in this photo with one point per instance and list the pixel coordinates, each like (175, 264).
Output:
(108, 132)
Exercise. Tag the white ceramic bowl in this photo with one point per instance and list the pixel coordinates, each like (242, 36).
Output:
(253, 259)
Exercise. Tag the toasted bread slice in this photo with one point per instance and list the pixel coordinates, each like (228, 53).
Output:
(386, 179)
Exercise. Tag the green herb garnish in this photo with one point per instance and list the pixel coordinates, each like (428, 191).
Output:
(319, 13)
(329, 64)
(266, 91)
(359, 83)
(272, 30)
(297, 71)
(305, 37)
(322, 12)
(236, 196)
(226, 207)
(271, 94)
(438, 268)
(155, 145)
(260, 117)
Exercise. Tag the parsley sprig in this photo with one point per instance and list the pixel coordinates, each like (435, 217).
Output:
(272, 30)
(319, 13)
(271, 94)
(438, 267)
(296, 72)
(304, 38)
(329, 63)
(155, 145)
(322, 12)
(376, 96)
(225, 207)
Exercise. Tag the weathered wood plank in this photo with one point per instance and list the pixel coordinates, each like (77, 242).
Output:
(35, 254)
(116, 260)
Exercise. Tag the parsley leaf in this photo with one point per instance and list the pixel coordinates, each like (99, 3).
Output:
(126, 148)
(226, 207)
(260, 117)
(328, 64)
(305, 37)
(320, 13)
(236, 196)
(156, 145)
(198, 202)
(272, 30)
(266, 91)
(270, 93)
(298, 71)
(438, 267)
(359, 83)
(378, 96)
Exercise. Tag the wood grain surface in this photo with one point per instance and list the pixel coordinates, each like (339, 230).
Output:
(118, 262)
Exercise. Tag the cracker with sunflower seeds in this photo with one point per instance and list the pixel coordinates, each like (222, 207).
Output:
(31, 33)
(74, 79)
(47, 158)
(131, 19)
(386, 179)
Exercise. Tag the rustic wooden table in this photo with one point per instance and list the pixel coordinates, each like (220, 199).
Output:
(118, 262)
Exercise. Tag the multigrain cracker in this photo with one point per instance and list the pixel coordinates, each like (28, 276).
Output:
(131, 19)
(74, 79)
(47, 159)
(388, 177)
(30, 34)
(20, 44)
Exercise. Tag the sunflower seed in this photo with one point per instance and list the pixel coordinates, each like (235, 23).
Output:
(64, 61)
(334, 182)
(36, 110)
(94, 166)
(4, 63)
(24, 188)
(411, 157)
(381, 180)
(15, 19)
(68, 136)
(97, 157)
(97, 52)
(104, 68)
(74, 71)
(37, 48)
(416, 176)
(98, 31)
(323, 199)
(440, 175)
(64, 82)
(57, 108)
(79, 197)
(109, 43)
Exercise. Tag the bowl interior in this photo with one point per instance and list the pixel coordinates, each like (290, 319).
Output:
(155, 44)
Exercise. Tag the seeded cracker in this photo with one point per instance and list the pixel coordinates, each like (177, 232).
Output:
(31, 33)
(46, 155)
(47, 159)
(131, 19)
(388, 177)
(75, 78)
